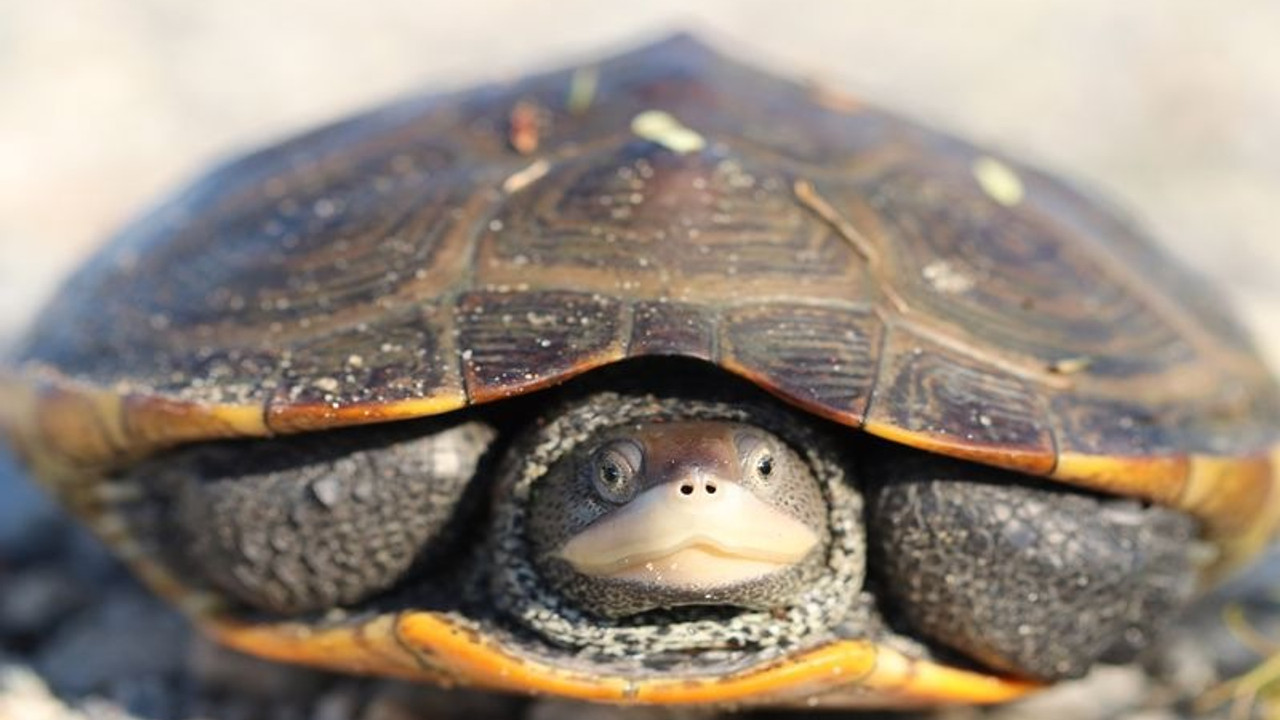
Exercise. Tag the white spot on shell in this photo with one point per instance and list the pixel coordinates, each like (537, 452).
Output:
(523, 178)
(582, 89)
(1070, 365)
(944, 278)
(998, 181)
(660, 127)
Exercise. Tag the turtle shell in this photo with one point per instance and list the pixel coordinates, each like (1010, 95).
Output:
(465, 248)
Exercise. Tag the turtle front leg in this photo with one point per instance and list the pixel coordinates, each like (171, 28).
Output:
(308, 523)
(1024, 576)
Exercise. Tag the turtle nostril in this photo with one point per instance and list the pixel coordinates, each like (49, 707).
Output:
(696, 486)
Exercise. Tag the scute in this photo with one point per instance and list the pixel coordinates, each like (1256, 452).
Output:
(406, 355)
(822, 358)
(1014, 279)
(969, 405)
(516, 342)
(468, 247)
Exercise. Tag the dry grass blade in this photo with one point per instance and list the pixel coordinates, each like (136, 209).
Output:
(1255, 693)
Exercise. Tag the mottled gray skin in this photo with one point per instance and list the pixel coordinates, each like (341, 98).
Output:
(569, 499)
(311, 523)
(1023, 576)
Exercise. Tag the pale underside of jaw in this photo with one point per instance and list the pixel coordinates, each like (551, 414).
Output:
(662, 540)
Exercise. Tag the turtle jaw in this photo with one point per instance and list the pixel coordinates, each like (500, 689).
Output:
(651, 515)
(690, 533)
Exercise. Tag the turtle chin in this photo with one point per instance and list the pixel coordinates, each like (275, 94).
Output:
(758, 586)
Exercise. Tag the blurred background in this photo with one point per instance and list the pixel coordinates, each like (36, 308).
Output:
(1171, 107)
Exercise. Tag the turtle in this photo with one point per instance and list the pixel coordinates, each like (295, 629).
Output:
(658, 379)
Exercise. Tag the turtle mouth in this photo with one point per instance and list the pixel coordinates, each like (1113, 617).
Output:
(702, 562)
(665, 537)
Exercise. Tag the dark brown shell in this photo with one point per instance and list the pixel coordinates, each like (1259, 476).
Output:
(464, 248)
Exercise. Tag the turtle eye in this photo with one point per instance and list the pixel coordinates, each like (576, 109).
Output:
(613, 467)
(757, 456)
(764, 464)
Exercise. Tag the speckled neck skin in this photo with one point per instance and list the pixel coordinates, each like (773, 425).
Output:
(833, 597)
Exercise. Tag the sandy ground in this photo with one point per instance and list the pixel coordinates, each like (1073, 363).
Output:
(1170, 106)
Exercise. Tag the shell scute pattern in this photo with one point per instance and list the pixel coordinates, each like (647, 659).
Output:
(468, 247)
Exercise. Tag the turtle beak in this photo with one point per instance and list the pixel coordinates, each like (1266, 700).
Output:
(701, 530)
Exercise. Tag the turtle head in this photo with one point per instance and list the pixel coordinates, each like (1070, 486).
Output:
(685, 512)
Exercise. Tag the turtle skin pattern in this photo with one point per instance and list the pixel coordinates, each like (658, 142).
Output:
(462, 248)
